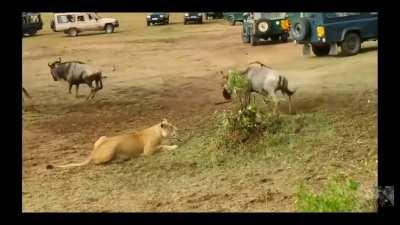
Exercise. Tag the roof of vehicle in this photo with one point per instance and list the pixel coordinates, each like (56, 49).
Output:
(30, 14)
(65, 13)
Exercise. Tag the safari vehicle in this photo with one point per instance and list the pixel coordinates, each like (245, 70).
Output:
(213, 15)
(233, 17)
(157, 18)
(73, 23)
(196, 17)
(325, 31)
(265, 25)
(31, 23)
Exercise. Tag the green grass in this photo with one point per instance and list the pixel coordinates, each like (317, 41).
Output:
(286, 138)
(335, 196)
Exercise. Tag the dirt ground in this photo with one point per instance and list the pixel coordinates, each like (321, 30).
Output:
(171, 72)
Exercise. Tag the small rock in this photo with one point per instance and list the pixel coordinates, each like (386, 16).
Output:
(265, 180)
(49, 167)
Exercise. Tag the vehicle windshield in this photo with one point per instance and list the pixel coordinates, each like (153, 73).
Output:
(31, 18)
(270, 15)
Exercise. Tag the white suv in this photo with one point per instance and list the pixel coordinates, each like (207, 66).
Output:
(76, 22)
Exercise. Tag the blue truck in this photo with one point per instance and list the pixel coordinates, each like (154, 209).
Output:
(325, 31)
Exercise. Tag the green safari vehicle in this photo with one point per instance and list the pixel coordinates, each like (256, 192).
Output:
(265, 25)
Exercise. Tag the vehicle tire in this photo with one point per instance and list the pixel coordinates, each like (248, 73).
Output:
(263, 27)
(72, 32)
(245, 37)
(285, 37)
(30, 32)
(184, 22)
(167, 21)
(320, 50)
(253, 40)
(301, 29)
(351, 44)
(232, 22)
(109, 28)
(148, 23)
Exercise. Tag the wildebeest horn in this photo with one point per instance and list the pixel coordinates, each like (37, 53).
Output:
(49, 64)
(59, 59)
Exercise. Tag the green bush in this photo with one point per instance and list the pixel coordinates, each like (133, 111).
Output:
(335, 196)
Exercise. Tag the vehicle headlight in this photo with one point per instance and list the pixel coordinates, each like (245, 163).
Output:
(161, 16)
(148, 17)
(321, 31)
(199, 14)
(186, 14)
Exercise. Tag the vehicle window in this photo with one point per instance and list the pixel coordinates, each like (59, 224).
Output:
(274, 15)
(341, 14)
(71, 18)
(62, 19)
(80, 18)
(373, 13)
(35, 19)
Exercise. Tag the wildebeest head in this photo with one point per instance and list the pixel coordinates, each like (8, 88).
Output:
(225, 90)
(53, 68)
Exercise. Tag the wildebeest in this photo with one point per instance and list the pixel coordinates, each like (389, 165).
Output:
(264, 81)
(75, 73)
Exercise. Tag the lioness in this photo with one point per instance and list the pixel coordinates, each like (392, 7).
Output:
(145, 142)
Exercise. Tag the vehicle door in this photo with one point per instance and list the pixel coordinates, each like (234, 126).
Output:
(82, 22)
(63, 21)
(93, 22)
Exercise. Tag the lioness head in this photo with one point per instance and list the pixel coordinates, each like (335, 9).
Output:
(167, 129)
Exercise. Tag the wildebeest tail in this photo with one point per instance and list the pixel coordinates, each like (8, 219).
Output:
(260, 63)
(283, 83)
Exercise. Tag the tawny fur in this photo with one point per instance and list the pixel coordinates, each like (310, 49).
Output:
(145, 142)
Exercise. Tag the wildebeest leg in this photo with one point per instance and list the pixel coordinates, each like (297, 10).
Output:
(290, 104)
(276, 102)
(70, 87)
(101, 83)
(96, 88)
(76, 90)
(92, 90)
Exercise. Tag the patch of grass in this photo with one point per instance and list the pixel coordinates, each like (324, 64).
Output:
(286, 137)
(335, 196)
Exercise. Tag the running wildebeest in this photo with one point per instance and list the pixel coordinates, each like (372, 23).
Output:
(75, 73)
(264, 81)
